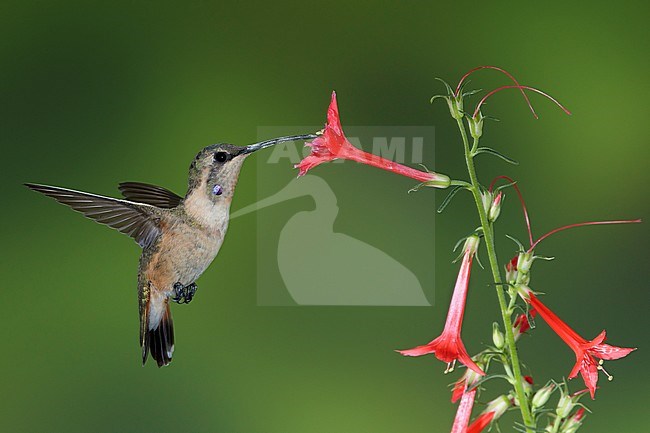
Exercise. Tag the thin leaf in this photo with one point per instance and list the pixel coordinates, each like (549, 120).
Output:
(472, 92)
(451, 92)
(515, 240)
(478, 260)
(448, 199)
(460, 241)
(491, 151)
(433, 98)
(546, 258)
(499, 188)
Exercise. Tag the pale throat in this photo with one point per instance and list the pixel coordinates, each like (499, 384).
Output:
(207, 210)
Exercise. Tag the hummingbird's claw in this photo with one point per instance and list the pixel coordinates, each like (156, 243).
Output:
(189, 292)
(179, 293)
(184, 294)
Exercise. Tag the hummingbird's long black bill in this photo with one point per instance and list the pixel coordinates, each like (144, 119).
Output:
(268, 143)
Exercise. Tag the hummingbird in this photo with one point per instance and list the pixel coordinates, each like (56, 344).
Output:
(179, 236)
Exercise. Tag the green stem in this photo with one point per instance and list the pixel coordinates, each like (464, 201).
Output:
(494, 267)
(556, 424)
(460, 183)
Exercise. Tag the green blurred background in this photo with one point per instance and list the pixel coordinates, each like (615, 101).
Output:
(93, 93)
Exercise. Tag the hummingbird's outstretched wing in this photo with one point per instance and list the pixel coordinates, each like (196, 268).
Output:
(139, 221)
(150, 194)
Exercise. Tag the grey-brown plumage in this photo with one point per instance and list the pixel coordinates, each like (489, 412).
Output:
(179, 236)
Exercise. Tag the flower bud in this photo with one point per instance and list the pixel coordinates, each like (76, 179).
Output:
(439, 181)
(572, 424)
(523, 278)
(476, 125)
(524, 262)
(487, 198)
(455, 106)
(499, 406)
(542, 395)
(521, 325)
(565, 406)
(495, 207)
(467, 381)
(527, 384)
(471, 244)
(523, 290)
(497, 337)
(511, 270)
(514, 275)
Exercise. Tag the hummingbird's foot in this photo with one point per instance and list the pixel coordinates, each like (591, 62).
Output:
(179, 293)
(189, 292)
(183, 294)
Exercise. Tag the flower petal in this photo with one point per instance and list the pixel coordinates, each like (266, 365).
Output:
(464, 357)
(309, 162)
(576, 368)
(599, 338)
(589, 373)
(607, 352)
(333, 119)
(418, 351)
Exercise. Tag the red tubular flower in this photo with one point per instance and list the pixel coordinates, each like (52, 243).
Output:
(481, 422)
(464, 412)
(448, 347)
(333, 144)
(585, 351)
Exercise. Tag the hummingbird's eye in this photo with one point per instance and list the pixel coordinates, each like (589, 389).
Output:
(221, 157)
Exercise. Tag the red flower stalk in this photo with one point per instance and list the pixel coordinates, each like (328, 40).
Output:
(464, 412)
(518, 269)
(589, 223)
(585, 351)
(464, 77)
(333, 144)
(448, 347)
(532, 89)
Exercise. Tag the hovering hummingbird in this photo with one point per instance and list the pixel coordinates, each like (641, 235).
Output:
(179, 236)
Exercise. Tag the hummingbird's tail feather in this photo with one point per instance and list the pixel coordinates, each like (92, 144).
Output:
(159, 338)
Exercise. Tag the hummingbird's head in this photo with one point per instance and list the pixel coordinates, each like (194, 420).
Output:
(215, 170)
